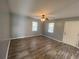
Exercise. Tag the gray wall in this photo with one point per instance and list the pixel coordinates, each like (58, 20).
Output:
(58, 29)
(4, 28)
(4, 20)
(21, 26)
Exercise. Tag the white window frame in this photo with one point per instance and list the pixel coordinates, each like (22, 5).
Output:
(34, 27)
(51, 27)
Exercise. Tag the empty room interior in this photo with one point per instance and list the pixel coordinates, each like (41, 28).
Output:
(39, 29)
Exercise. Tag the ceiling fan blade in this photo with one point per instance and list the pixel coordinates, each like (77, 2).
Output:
(33, 17)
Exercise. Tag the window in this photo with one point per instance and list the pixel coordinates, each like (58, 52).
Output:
(34, 26)
(51, 27)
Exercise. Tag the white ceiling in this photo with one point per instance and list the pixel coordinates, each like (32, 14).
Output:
(54, 8)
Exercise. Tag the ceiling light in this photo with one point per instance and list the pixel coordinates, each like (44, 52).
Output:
(43, 18)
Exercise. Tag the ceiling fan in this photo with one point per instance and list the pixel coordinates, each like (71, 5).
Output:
(44, 18)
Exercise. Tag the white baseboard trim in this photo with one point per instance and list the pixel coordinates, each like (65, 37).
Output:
(7, 50)
(59, 41)
(25, 36)
(45, 36)
(51, 38)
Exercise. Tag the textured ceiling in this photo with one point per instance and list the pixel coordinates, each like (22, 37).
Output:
(54, 8)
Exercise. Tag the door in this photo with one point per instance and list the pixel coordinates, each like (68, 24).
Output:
(71, 33)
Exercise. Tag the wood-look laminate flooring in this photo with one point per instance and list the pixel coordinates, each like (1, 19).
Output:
(41, 47)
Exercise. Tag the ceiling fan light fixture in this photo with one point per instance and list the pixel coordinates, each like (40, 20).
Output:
(43, 18)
